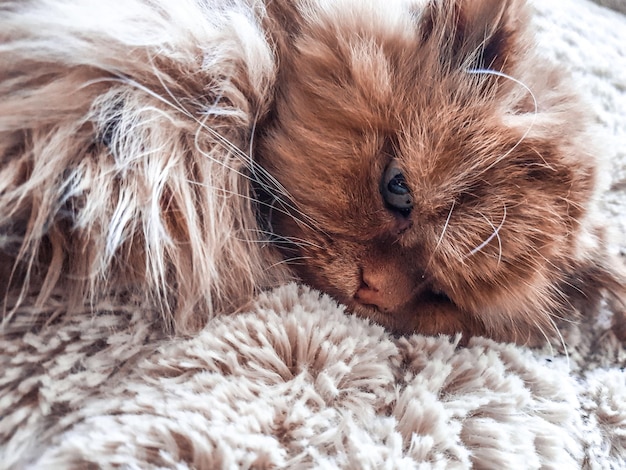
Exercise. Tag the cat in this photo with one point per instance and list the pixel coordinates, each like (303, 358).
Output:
(438, 171)
(413, 159)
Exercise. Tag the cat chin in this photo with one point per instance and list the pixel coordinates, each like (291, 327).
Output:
(441, 316)
(431, 313)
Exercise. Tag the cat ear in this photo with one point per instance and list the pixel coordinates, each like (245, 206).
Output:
(475, 34)
(486, 32)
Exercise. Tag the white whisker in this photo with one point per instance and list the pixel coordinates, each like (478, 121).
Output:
(243, 196)
(237, 152)
(561, 339)
(495, 234)
(443, 232)
(295, 240)
(545, 336)
(535, 111)
(289, 261)
(308, 221)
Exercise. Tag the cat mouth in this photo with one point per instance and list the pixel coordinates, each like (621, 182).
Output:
(434, 296)
(431, 311)
(427, 297)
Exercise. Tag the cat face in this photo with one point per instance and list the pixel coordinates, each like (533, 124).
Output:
(432, 171)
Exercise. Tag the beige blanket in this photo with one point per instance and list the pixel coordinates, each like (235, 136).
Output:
(298, 383)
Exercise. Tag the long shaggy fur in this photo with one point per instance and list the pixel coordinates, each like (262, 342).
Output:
(124, 164)
(129, 173)
(494, 148)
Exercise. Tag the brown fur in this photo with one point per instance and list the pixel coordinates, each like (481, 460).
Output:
(126, 175)
(355, 93)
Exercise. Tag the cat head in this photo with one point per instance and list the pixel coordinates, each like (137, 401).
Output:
(434, 174)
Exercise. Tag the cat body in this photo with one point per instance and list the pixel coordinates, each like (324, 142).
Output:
(124, 136)
(415, 160)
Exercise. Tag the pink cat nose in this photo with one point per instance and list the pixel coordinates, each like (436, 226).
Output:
(370, 292)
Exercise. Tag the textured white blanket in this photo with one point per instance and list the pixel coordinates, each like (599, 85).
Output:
(298, 383)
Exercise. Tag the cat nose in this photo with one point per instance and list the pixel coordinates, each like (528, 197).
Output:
(371, 291)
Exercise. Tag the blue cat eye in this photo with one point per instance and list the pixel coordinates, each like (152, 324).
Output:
(394, 189)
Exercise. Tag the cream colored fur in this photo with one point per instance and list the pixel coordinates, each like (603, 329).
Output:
(124, 146)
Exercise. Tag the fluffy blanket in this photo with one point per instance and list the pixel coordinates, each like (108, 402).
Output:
(297, 383)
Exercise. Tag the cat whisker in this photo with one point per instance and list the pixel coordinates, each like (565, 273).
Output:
(288, 201)
(301, 218)
(289, 261)
(561, 340)
(545, 336)
(243, 196)
(546, 164)
(576, 288)
(227, 144)
(564, 319)
(278, 242)
(271, 186)
(272, 206)
(544, 309)
(535, 110)
(290, 242)
(253, 166)
(273, 181)
(562, 296)
(549, 342)
(270, 214)
(495, 234)
(560, 293)
(294, 240)
(180, 108)
(443, 232)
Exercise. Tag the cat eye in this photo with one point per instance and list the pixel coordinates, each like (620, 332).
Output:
(395, 191)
